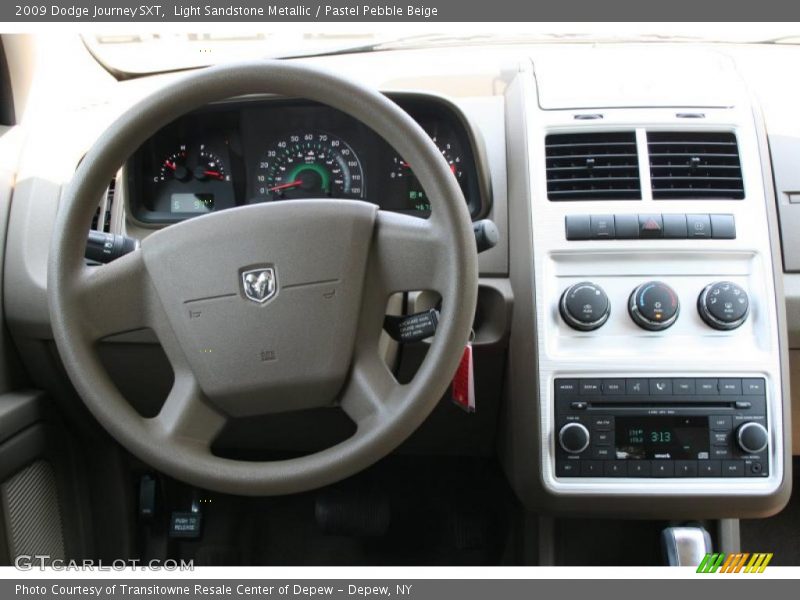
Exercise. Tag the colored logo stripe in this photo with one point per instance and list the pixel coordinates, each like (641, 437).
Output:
(734, 563)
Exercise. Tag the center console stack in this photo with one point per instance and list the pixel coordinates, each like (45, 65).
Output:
(660, 346)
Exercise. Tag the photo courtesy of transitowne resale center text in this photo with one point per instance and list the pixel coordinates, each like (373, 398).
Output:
(420, 300)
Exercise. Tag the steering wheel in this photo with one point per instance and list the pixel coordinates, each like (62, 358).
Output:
(267, 307)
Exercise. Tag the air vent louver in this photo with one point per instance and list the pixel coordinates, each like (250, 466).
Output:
(694, 165)
(592, 166)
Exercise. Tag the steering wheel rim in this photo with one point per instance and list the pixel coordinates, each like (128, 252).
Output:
(398, 253)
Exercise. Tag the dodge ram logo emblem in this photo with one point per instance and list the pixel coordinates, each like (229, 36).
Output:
(259, 284)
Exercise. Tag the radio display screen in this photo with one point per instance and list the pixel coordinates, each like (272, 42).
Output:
(675, 438)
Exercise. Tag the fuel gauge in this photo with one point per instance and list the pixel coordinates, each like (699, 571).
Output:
(416, 199)
(180, 166)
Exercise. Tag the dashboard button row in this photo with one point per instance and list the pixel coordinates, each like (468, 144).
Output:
(650, 226)
(662, 386)
(659, 468)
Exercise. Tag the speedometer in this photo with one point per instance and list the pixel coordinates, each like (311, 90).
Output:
(309, 165)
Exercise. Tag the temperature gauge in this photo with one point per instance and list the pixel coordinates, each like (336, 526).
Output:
(415, 196)
(184, 166)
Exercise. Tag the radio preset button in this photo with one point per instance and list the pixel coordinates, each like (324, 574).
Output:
(592, 468)
(709, 468)
(685, 468)
(639, 468)
(662, 468)
(616, 468)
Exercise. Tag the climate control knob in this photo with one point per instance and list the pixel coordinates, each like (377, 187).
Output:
(723, 305)
(573, 438)
(584, 306)
(752, 437)
(654, 306)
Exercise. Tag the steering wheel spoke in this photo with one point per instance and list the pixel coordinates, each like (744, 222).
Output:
(187, 415)
(371, 391)
(116, 297)
(407, 253)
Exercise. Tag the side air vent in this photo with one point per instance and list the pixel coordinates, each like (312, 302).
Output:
(695, 165)
(592, 166)
(102, 216)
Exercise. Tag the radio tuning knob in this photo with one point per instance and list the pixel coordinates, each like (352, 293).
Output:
(752, 437)
(573, 438)
(654, 306)
(723, 305)
(584, 306)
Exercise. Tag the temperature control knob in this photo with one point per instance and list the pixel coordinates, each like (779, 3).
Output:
(584, 306)
(723, 305)
(752, 437)
(654, 306)
(573, 438)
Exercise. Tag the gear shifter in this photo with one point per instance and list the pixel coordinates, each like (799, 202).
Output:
(685, 546)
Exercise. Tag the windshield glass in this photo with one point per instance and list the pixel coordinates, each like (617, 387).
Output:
(139, 53)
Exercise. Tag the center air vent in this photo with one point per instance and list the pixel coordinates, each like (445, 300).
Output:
(592, 166)
(694, 165)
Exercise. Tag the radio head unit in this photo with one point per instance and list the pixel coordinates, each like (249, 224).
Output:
(661, 427)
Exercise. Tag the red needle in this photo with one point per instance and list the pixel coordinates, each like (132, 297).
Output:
(453, 169)
(404, 164)
(216, 174)
(285, 186)
(170, 165)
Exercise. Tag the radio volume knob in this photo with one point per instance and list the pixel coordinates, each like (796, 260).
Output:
(573, 438)
(584, 306)
(723, 305)
(752, 437)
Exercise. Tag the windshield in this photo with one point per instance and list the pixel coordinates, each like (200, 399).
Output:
(140, 53)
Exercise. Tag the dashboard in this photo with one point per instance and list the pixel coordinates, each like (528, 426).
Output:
(269, 150)
(549, 143)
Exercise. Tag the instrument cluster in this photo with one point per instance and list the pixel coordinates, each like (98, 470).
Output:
(268, 150)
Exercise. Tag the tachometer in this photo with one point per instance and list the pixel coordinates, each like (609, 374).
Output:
(309, 165)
